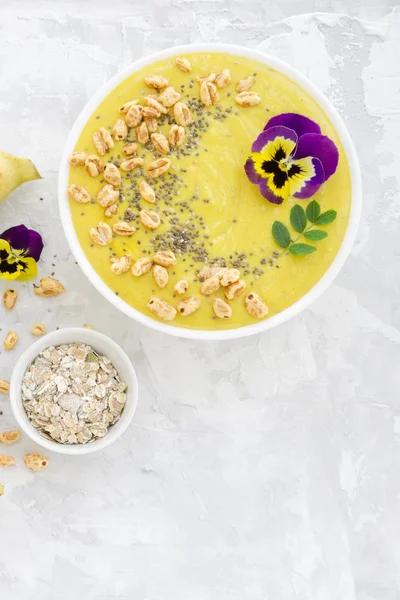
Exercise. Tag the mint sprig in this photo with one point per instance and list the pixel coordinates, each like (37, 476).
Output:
(298, 220)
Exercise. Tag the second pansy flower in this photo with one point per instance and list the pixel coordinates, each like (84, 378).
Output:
(20, 249)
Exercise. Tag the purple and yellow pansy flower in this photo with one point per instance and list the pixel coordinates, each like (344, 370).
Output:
(291, 157)
(20, 249)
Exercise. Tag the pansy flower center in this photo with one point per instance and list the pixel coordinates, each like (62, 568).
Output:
(284, 164)
(283, 160)
(17, 254)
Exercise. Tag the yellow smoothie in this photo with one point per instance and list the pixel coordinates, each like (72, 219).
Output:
(210, 212)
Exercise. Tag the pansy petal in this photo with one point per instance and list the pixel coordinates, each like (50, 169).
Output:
(251, 172)
(261, 166)
(270, 141)
(35, 245)
(322, 147)
(18, 236)
(299, 123)
(29, 269)
(5, 250)
(306, 176)
(10, 275)
(22, 238)
(264, 167)
(268, 194)
(9, 269)
(276, 188)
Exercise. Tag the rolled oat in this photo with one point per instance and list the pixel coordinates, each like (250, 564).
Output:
(72, 394)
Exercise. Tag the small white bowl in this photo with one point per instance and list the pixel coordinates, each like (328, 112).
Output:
(102, 344)
(293, 309)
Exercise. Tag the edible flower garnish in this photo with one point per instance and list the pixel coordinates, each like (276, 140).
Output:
(20, 249)
(291, 157)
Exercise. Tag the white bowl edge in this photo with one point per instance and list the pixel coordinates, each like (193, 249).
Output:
(264, 325)
(100, 343)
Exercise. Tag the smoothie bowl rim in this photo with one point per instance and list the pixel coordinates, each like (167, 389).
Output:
(265, 324)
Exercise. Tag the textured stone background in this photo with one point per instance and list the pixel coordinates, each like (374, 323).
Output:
(263, 469)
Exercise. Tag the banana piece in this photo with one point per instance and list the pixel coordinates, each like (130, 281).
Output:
(15, 171)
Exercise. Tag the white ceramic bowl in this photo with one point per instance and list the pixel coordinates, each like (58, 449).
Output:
(102, 344)
(292, 310)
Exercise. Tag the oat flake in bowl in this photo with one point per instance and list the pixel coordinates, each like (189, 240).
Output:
(72, 394)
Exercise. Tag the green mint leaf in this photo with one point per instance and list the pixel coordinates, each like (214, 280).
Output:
(298, 218)
(315, 235)
(301, 249)
(281, 234)
(313, 211)
(327, 217)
